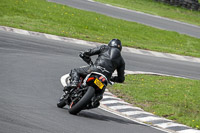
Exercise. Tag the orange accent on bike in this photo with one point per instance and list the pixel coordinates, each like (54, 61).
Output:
(71, 105)
(91, 78)
(102, 78)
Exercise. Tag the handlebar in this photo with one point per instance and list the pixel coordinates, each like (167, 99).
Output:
(87, 59)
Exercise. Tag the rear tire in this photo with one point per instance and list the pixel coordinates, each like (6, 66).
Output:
(83, 101)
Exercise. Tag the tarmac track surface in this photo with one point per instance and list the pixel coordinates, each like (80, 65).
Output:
(30, 71)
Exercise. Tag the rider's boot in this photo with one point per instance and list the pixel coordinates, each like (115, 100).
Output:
(74, 82)
(70, 86)
(96, 102)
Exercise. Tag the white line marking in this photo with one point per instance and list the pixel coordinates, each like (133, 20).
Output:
(113, 101)
(124, 107)
(149, 118)
(108, 93)
(81, 42)
(196, 59)
(19, 31)
(152, 73)
(170, 124)
(76, 41)
(157, 54)
(132, 50)
(52, 37)
(90, 0)
(189, 131)
(135, 113)
(106, 97)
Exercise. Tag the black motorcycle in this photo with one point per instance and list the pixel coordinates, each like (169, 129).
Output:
(88, 92)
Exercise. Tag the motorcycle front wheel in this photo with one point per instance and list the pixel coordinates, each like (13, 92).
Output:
(82, 102)
(61, 103)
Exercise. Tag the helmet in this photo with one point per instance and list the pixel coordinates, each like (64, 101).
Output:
(115, 43)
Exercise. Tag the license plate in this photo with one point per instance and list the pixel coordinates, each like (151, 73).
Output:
(99, 84)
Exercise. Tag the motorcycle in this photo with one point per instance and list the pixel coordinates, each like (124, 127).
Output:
(88, 92)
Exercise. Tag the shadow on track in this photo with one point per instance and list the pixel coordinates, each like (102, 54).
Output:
(96, 116)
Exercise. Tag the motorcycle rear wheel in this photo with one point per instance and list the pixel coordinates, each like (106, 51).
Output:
(83, 101)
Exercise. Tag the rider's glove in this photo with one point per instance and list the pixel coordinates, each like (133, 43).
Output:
(81, 54)
(86, 58)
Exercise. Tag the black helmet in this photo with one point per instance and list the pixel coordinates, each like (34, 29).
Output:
(115, 43)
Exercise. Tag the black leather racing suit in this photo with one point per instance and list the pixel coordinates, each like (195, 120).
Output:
(109, 58)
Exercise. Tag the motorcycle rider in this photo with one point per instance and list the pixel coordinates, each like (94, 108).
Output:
(109, 59)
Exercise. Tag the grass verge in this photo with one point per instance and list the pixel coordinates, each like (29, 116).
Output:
(173, 98)
(159, 9)
(47, 17)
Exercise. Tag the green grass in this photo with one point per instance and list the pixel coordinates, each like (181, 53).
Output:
(173, 98)
(46, 17)
(159, 9)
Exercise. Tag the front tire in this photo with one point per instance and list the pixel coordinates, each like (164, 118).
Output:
(61, 103)
(83, 101)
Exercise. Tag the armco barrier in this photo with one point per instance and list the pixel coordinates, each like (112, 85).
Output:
(189, 4)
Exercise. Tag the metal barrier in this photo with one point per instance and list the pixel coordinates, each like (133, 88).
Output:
(189, 4)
